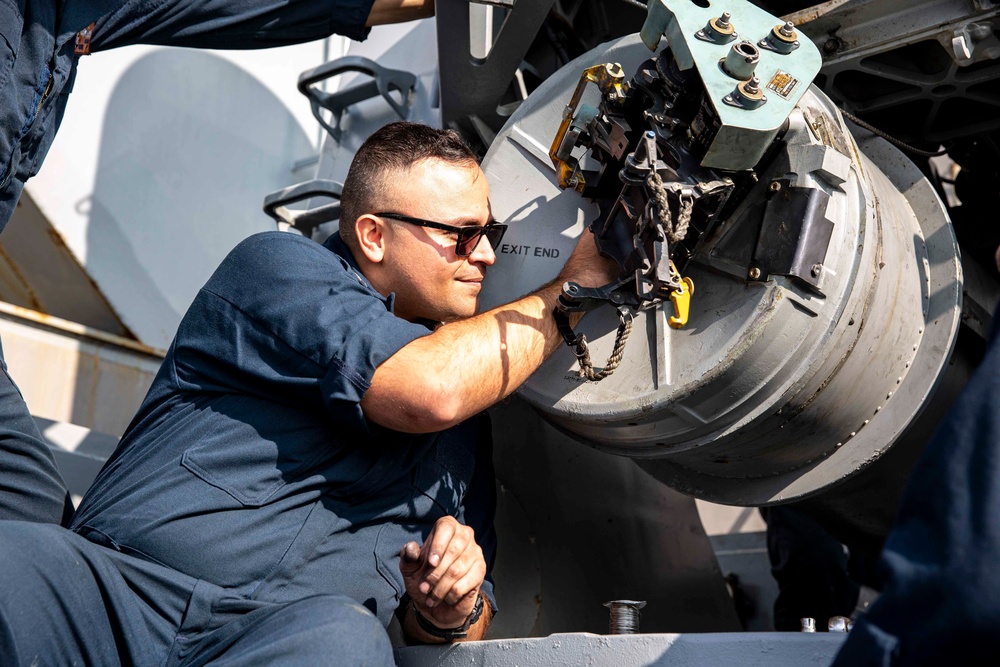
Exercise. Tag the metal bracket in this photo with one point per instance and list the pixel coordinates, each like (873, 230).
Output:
(577, 299)
(384, 82)
(794, 235)
(276, 205)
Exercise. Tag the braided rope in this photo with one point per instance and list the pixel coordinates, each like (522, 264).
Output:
(683, 218)
(660, 205)
(583, 352)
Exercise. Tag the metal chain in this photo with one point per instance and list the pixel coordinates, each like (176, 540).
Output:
(582, 350)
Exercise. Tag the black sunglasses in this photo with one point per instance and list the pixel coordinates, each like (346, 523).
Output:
(468, 235)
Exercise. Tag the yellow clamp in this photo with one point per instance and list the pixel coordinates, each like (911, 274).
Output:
(610, 79)
(681, 298)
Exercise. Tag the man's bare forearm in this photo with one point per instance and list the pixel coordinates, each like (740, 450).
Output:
(464, 367)
(399, 11)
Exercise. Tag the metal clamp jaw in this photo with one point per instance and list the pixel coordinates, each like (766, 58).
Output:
(680, 297)
(610, 79)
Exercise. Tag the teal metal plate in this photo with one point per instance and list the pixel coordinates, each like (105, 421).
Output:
(744, 134)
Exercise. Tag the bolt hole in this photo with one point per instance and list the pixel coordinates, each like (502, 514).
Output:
(851, 322)
(633, 424)
(704, 4)
(747, 50)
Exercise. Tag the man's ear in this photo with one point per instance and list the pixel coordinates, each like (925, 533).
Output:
(371, 235)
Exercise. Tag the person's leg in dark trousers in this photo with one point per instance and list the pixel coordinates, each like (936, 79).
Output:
(67, 601)
(311, 632)
(810, 567)
(941, 563)
(31, 488)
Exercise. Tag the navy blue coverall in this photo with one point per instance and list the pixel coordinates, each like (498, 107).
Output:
(250, 507)
(37, 69)
(941, 563)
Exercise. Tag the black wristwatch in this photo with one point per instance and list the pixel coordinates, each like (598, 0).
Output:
(449, 634)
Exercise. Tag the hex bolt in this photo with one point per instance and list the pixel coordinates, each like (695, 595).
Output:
(718, 30)
(625, 616)
(808, 624)
(782, 39)
(747, 94)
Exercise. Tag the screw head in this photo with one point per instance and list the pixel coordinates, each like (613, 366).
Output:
(775, 186)
(754, 273)
(816, 268)
(636, 604)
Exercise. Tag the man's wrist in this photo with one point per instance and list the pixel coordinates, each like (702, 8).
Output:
(449, 634)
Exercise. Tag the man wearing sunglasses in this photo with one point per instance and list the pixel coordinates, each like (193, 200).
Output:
(313, 457)
(42, 42)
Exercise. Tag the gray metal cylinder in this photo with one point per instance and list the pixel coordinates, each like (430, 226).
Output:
(771, 392)
(741, 60)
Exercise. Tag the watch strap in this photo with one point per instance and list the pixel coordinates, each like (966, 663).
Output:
(450, 634)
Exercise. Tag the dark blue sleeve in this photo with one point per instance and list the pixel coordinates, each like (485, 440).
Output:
(286, 319)
(941, 598)
(230, 24)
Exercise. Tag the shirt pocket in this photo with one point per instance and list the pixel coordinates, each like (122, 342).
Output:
(252, 476)
(254, 452)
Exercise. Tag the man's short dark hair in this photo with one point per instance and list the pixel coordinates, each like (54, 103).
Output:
(392, 148)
